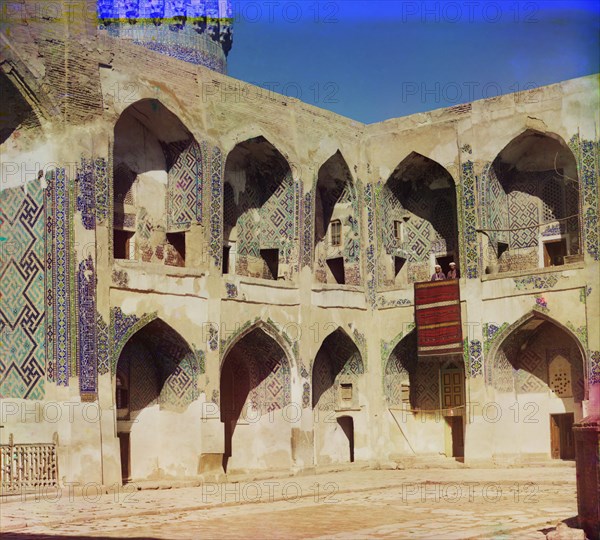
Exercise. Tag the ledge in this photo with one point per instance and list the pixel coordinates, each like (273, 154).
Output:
(158, 269)
(533, 272)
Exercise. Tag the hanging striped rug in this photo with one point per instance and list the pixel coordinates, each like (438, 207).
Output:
(437, 315)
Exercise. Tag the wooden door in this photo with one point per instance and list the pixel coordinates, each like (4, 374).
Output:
(452, 388)
(562, 443)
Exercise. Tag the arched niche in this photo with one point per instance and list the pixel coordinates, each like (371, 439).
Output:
(258, 212)
(418, 221)
(531, 205)
(157, 190)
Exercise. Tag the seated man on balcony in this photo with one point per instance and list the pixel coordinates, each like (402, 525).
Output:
(438, 275)
(453, 272)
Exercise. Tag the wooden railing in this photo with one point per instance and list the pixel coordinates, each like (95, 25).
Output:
(28, 466)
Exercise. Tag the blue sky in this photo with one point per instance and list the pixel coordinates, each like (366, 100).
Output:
(374, 60)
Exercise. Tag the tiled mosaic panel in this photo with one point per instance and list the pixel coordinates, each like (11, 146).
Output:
(92, 198)
(423, 377)
(371, 204)
(307, 213)
(427, 384)
(184, 191)
(469, 218)
(342, 195)
(432, 227)
(523, 212)
(168, 360)
(260, 360)
(536, 368)
(401, 365)
(88, 354)
(543, 281)
(588, 166)
(22, 290)
(594, 375)
(216, 206)
(531, 198)
(265, 216)
(475, 353)
(102, 191)
(86, 199)
(338, 358)
(104, 345)
(61, 353)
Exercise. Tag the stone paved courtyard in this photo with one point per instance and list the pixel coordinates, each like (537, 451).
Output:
(515, 503)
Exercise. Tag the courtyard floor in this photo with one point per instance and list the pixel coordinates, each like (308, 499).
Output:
(512, 503)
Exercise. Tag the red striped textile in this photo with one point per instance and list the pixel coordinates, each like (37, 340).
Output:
(438, 318)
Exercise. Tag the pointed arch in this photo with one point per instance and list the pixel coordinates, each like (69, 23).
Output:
(336, 223)
(157, 184)
(259, 211)
(255, 382)
(531, 207)
(533, 316)
(338, 358)
(271, 331)
(413, 235)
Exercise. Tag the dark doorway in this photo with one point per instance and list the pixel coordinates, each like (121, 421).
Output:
(554, 252)
(271, 258)
(122, 244)
(125, 457)
(562, 445)
(398, 265)
(347, 424)
(177, 240)
(337, 269)
(225, 262)
(455, 423)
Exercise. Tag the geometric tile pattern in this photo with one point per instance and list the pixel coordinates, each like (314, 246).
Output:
(104, 345)
(338, 358)
(216, 206)
(543, 281)
(594, 375)
(122, 327)
(371, 197)
(469, 218)
(161, 368)
(260, 362)
(427, 386)
(589, 175)
(88, 359)
(531, 376)
(60, 276)
(432, 227)
(400, 368)
(22, 288)
(92, 198)
(537, 361)
(336, 191)
(266, 214)
(184, 191)
(475, 358)
(86, 199)
(101, 187)
(307, 210)
(523, 212)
